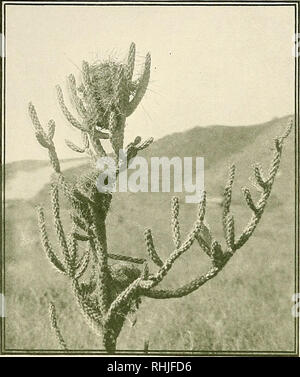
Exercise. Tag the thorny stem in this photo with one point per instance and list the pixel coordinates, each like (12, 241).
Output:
(106, 293)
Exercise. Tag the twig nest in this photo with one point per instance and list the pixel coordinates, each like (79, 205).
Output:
(105, 91)
(124, 274)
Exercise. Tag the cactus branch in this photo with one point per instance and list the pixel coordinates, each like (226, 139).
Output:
(151, 249)
(55, 328)
(126, 258)
(175, 222)
(142, 87)
(130, 62)
(46, 243)
(74, 122)
(81, 110)
(59, 227)
(228, 195)
(45, 139)
(267, 188)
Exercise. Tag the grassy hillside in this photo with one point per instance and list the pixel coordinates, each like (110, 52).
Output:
(246, 307)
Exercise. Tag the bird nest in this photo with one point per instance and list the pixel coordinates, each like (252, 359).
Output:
(107, 88)
(122, 275)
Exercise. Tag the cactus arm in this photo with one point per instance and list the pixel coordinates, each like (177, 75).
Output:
(80, 237)
(73, 249)
(91, 103)
(87, 148)
(116, 133)
(74, 147)
(130, 62)
(120, 94)
(55, 328)
(74, 122)
(184, 290)
(46, 243)
(228, 196)
(204, 239)
(267, 185)
(45, 139)
(51, 129)
(85, 140)
(97, 146)
(229, 231)
(81, 110)
(133, 148)
(99, 247)
(59, 228)
(126, 258)
(249, 200)
(259, 176)
(142, 87)
(151, 249)
(83, 264)
(175, 222)
(89, 309)
(37, 125)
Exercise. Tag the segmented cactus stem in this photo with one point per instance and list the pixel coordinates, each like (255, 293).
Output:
(175, 222)
(55, 328)
(46, 243)
(71, 119)
(151, 249)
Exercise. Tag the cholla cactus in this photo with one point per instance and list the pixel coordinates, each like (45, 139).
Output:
(108, 291)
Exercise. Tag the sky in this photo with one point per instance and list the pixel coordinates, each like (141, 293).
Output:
(211, 65)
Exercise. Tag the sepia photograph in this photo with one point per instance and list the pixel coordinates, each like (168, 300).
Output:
(150, 179)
